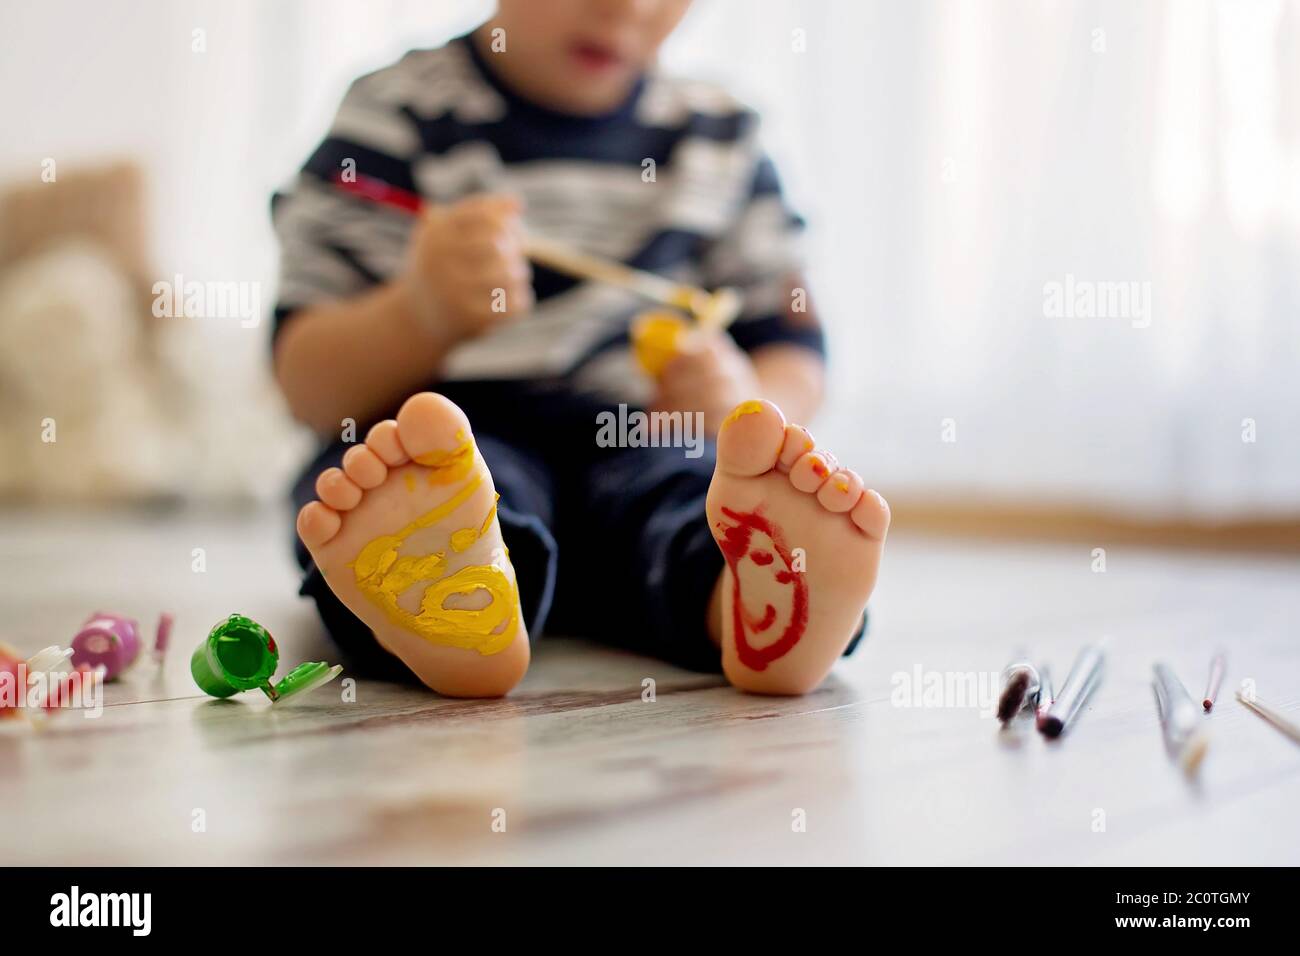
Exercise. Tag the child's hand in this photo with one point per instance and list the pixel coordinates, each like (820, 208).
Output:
(710, 375)
(467, 269)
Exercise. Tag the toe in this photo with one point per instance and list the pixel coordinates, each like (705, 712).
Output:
(431, 427)
(750, 439)
(317, 524)
(798, 442)
(810, 471)
(383, 441)
(841, 491)
(364, 467)
(871, 514)
(337, 490)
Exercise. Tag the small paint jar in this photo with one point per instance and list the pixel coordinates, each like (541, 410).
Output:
(238, 654)
(110, 641)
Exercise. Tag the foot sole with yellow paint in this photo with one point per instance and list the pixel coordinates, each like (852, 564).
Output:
(406, 535)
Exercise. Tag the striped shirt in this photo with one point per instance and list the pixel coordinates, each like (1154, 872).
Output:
(673, 181)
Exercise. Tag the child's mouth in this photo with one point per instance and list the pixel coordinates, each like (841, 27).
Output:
(594, 57)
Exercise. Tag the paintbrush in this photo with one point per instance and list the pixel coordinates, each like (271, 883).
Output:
(1272, 716)
(1020, 686)
(713, 311)
(1079, 684)
(1185, 738)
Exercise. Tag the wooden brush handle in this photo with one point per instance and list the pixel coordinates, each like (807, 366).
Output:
(566, 259)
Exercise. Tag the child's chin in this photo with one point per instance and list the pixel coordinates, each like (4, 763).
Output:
(598, 94)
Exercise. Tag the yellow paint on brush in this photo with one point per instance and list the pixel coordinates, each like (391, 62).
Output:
(690, 299)
(752, 407)
(446, 467)
(383, 576)
(656, 339)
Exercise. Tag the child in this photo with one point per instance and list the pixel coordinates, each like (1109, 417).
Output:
(474, 515)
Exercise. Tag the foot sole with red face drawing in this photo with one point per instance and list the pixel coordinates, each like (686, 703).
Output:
(802, 538)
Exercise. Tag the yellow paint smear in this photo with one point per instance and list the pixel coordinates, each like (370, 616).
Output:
(752, 407)
(383, 576)
(492, 513)
(410, 481)
(446, 467)
(462, 539)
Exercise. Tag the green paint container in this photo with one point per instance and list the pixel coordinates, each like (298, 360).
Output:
(239, 654)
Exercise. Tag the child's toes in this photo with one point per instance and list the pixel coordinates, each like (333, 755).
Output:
(383, 441)
(364, 467)
(871, 514)
(750, 439)
(432, 429)
(317, 524)
(798, 442)
(337, 490)
(841, 490)
(810, 471)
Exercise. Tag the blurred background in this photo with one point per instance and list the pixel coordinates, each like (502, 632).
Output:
(957, 162)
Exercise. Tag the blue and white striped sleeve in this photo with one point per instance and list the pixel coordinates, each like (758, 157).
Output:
(334, 244)
(761, 255)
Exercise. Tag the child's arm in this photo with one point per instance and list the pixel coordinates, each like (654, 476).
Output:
(793, 377)
(716, 375)
(358, 357)
(775, 349)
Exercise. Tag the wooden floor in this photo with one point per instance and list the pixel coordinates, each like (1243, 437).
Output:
(582, 770)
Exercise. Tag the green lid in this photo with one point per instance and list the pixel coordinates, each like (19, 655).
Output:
(238, 654)
(304, 678)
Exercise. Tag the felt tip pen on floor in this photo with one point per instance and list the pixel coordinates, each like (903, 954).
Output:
(1216, 678)
(1079, 684)
(1185, 737)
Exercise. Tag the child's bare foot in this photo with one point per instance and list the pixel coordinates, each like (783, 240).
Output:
(407, 537)
(802, 541)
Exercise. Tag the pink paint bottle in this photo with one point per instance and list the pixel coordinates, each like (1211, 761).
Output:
(113, 641)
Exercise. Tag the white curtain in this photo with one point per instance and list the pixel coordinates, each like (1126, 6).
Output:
(957, 158)
(954, 159)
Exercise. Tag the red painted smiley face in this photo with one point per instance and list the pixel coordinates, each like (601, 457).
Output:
(772, 622)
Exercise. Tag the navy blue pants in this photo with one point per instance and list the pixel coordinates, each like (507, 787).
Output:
(610, 544)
